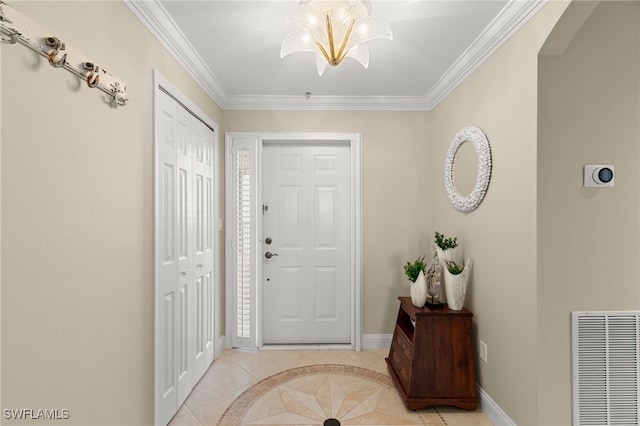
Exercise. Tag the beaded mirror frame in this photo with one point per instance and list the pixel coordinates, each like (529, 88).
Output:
(478, 139)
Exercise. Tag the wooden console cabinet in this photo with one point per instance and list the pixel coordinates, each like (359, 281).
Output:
(431, 360)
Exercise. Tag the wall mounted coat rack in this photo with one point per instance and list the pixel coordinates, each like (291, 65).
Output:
(16, 27)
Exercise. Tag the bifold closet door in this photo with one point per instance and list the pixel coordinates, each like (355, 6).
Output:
(184, 253)
(202, 238)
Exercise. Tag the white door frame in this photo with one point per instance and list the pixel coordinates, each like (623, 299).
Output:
(354, 140)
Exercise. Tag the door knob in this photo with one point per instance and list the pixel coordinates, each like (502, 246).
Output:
(269, 255)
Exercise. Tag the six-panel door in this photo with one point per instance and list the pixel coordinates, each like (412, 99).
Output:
(307, 219)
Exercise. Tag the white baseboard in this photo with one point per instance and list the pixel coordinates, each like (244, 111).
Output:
(492, 410)
(221, 345)
(376, 341)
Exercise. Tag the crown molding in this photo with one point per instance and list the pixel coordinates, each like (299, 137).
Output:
(156, 19)
(365, 103)
(510, 19)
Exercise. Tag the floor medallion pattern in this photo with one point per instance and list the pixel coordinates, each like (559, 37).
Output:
(311, 395)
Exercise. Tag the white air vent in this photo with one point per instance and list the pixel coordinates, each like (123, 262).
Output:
(606, 368)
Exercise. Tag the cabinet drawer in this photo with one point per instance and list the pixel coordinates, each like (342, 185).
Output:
(403, 342)
(400, 364)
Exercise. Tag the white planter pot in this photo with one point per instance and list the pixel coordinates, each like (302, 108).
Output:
(454, 254)
(456, 287)
(419, 291)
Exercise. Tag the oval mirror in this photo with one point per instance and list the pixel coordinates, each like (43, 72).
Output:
(462, 154)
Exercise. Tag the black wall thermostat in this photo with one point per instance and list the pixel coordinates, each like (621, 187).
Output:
(598, 176)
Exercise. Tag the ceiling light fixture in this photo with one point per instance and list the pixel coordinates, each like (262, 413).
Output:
(334, 30)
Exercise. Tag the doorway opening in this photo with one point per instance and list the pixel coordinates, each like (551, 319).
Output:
(294, 268)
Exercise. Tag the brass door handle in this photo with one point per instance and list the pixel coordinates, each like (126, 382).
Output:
(269, 255)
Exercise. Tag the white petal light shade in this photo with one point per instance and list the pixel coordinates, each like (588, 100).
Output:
(334, 30)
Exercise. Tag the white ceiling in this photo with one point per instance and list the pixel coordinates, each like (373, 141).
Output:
(232, 47)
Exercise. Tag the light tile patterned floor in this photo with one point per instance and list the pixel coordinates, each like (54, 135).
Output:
(306, 388)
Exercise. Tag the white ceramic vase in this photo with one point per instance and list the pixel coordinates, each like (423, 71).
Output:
(419, 291)
(456, 287)
(454, 254)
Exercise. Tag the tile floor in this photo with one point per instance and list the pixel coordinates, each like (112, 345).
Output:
(356, 397)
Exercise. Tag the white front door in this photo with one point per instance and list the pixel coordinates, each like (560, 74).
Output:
(306, 243)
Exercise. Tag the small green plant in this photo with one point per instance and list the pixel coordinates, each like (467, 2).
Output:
(454, 268)
(445, 243)
(412, 270)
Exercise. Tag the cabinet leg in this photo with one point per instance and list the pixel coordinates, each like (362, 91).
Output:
(469, 406)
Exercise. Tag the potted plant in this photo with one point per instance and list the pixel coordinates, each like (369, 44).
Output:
(454, 268)
(412, 270)
(447, 249)
(455, 281)
(445, 243)
(415, 273)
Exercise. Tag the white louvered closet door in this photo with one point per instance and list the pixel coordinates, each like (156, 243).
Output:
(184, 254)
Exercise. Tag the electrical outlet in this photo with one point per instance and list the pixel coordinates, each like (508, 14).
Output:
(483, 351)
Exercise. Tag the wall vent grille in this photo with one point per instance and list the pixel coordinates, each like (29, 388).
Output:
(606, 368)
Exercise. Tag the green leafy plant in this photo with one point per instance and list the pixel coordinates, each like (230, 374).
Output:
(445, 243)
(412, 270)
(454, 268)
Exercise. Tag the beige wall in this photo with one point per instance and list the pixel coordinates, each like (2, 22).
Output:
(395, 167)
(588, 245)
(76, 184)
(500, 97)
(77, 276)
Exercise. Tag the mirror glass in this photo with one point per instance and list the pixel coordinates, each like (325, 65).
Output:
(465, 168)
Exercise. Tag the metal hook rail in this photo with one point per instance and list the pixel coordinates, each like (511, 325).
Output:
(16, 27)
